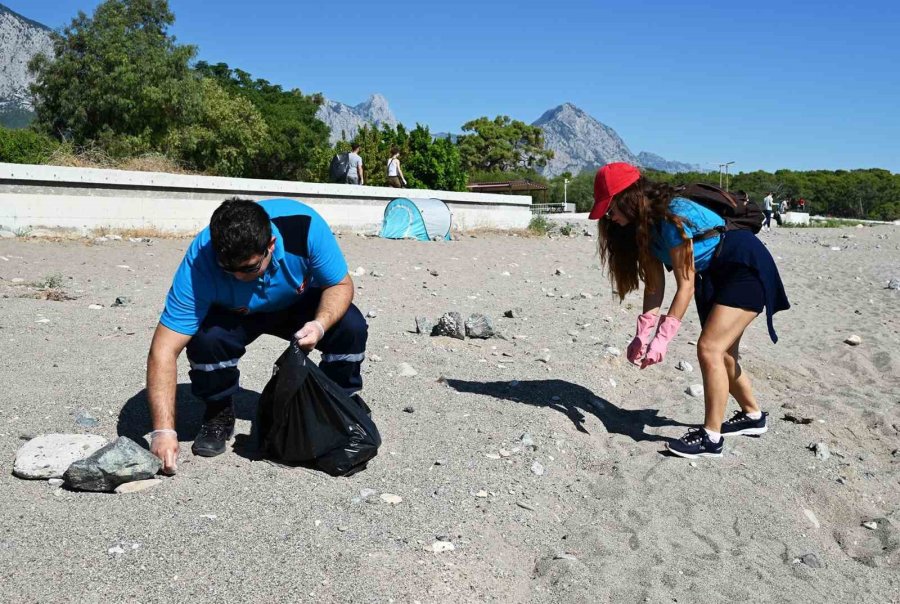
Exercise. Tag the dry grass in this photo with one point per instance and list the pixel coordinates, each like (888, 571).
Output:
(495, 232)
(54, 295)
(98, 158)
(140, 233)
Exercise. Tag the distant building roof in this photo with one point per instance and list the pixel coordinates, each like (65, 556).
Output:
(506, 187)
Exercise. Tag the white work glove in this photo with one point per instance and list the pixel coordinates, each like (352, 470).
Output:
(309, 335)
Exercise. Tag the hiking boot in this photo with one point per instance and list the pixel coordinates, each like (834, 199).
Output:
(696, 444)
(217, 428)
(740, 424)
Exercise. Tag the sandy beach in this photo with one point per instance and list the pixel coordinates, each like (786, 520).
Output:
(603, 516)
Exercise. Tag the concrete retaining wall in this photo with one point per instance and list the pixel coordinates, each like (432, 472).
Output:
(85, 198)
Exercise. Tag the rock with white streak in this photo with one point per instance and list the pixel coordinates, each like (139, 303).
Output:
(50, 455)
(121, 461)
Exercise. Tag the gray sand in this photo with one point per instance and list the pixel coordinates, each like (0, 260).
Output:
(610, 519)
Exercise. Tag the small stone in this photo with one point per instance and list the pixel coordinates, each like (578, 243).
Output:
(441, 546)
(116, 549)
(122, 301)
(503, 453)
(537, 468)
(811, 560)
(121, 461)
(560, 272)
(481, 494)
(391, 498)
(366, 493)
(853, 340)
(85, 419)
(871, 525)
(684, 366)
(451, 325)
(893, 284)
(137, 486)
(374, 358)
(524, 506)
(812, 518)
(406, 370)
(586, 295)
(376, 274)
(371, 314)
(55, 482)
(693, 464)
(359, 272)
(526, 440)
(343, 529)
(50, 455)
(424, 325)
(95, 307)
(613, 351)
(492, 455)
(513, 313)
(408, 409)
(821, 450)
(695, 390)
(479, 326)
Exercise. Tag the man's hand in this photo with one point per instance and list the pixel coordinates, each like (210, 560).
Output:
(164, 444)
(309, 335)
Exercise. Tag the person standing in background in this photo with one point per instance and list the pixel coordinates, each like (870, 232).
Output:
(394, 173)
(767, 210)
(355, 173)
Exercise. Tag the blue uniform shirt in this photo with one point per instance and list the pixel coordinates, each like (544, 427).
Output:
(306, 255)
(696, 220)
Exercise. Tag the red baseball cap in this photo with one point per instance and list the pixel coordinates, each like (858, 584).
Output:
(611, 179)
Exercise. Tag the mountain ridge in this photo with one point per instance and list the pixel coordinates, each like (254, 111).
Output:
(21, 39)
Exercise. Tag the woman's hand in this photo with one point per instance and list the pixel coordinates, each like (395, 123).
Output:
(638, 347)
(656, 352)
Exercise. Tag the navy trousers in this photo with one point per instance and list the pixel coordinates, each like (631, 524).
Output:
(215, 350)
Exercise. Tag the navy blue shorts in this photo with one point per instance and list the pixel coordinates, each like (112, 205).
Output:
(730, 284)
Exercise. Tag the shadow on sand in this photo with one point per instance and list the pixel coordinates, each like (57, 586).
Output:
(574, 401)
(134, 418)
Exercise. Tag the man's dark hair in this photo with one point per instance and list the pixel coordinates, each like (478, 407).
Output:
(354, 147)
(239, 229)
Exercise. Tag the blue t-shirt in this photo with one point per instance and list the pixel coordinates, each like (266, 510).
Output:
(306, 255)
(696, 220)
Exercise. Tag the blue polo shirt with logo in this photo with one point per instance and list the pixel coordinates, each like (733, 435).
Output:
(306, 255)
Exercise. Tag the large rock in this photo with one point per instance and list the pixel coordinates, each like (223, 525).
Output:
(479, 326)
(49, 455)
(450, 325)
(121, 461)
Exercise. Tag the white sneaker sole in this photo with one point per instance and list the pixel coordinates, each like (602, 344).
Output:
(748, 432)
(691, 455)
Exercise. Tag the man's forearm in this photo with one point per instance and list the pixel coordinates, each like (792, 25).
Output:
(162, 378)
(334, 303)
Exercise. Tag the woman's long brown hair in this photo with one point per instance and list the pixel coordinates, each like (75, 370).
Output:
(626, 250)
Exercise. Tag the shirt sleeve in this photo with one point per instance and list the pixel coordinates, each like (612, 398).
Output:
(325, 257)
(189, 298)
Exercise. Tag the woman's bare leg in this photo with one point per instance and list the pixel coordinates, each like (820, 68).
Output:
(739, 382)
(723, 328)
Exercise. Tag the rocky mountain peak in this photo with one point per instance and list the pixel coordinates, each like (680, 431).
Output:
(344, 121)
(20, 40)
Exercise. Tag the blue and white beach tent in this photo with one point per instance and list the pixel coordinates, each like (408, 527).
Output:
(422, 219)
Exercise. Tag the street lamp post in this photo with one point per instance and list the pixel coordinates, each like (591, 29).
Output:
(724, 167)
(565, 194)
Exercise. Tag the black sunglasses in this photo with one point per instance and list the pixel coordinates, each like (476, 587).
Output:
(246, 269)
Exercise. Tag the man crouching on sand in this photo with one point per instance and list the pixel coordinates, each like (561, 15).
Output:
(272, 267)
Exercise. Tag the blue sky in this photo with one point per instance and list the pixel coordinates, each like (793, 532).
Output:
(798, 85)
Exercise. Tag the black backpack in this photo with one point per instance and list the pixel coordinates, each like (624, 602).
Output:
(339, 168)
(306, 419)
(734, 206)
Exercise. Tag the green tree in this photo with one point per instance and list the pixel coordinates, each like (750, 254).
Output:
(224, 135)
(295, 135)
(25, 146)
(117, 73)
(430, 163)
(502, 145)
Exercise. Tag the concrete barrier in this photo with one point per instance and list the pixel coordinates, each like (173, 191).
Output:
(57, 197)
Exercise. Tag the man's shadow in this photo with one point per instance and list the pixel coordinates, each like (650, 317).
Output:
(134, 418)
(574, 401)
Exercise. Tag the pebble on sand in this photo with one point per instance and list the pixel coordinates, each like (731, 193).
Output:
(121, 461)
(137, 486)
(391, 498)
(853, 340)
(50, 455)
(406, 370)
(695, 390)
(441, 546)
(537, 468)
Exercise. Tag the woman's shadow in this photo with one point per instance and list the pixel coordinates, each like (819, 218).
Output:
(573, 401)
(134, 418)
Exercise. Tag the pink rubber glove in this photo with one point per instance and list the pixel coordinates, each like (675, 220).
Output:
(638, 347)
(668, 327)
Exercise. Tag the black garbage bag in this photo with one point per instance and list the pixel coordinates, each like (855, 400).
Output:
(307, 419)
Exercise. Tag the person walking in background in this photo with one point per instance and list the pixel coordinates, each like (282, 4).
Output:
(767, 210)
(785, 206)
(645, 227)
(355, 171)
(394, 173)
